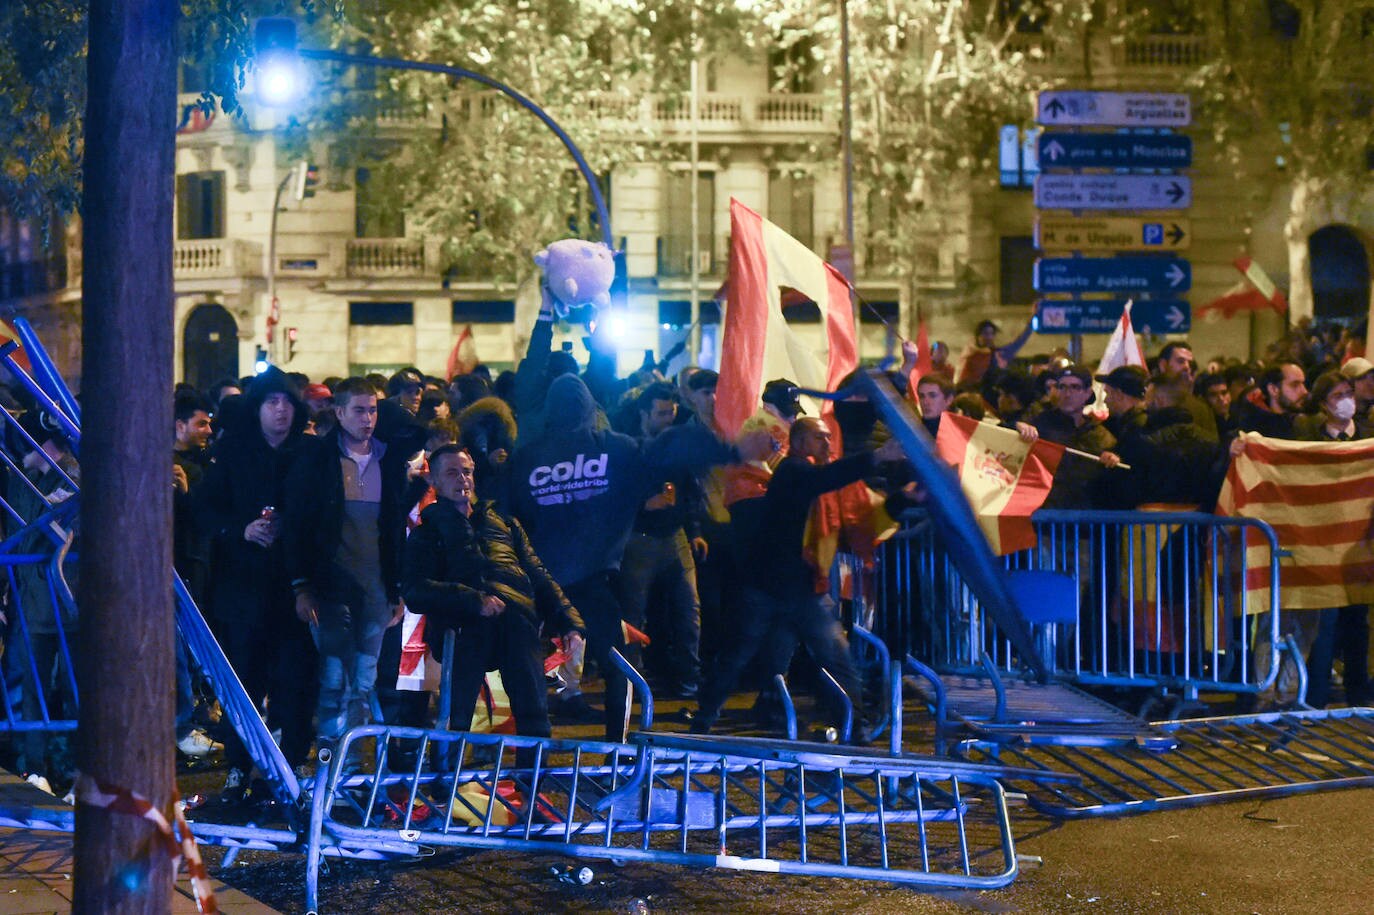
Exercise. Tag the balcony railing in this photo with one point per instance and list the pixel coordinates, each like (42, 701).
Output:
(717, 112)
(390, 257)
(1162, 52)
(790, 109)
(216, 258)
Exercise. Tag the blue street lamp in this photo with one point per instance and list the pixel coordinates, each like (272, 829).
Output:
(281, 80)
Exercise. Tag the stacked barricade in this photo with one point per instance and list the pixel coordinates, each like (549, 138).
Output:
(38, 689)
(1162, 602)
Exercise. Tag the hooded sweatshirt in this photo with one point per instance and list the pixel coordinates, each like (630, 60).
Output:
(576, 489)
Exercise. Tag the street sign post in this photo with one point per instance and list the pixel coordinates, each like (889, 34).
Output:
(1113, 109)
(1112, 233)
(1112, 274)
(1113, 192)
(1060, 149)
(1100, 316)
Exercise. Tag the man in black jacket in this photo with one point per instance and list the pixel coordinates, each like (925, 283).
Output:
(780, 593)
(470, 568)
(577, 490)
(344, 528)
(250, 593)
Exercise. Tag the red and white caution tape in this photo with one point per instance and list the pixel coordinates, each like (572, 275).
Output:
(95, 793)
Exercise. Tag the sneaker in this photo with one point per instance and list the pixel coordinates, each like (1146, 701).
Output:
(235, 787)
(39, 782)
(197, 744)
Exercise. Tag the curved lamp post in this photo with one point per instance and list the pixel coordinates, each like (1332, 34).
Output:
(281, 81)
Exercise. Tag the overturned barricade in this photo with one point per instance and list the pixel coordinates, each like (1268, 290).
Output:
(768, 806)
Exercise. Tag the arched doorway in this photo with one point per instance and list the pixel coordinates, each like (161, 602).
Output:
(209, 346)
(1340, 274)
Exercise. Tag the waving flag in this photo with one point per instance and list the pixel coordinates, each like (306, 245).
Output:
(1255, 292)
(1318, 497)
(756, 343)
(463, 358)
(1004, 478)
(1122, 347)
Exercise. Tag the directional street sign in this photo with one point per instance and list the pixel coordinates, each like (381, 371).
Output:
(1112, 233)
(1158, 316)
(1113, 109)
(1112, 274)
(1114, 150)
(1113, 192)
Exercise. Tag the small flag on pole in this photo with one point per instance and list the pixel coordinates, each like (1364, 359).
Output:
(1004, 478)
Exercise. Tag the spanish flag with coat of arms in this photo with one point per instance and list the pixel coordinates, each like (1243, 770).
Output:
(1004, 478)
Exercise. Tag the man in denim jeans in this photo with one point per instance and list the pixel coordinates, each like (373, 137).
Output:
(344, 531)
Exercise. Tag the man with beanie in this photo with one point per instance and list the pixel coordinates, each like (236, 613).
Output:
(576, 490)
(250, 593)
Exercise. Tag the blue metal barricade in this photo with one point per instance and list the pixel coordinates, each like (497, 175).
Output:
(1207, 760)
(1162, 602)
(767, 806)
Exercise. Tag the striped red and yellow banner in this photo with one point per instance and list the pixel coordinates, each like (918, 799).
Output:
(1318, 497)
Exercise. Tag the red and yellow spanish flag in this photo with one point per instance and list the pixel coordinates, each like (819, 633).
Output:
(756, 342)
(1318, 497)
(1004, 478)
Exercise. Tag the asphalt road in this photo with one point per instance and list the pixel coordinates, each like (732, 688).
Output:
(1305, 854)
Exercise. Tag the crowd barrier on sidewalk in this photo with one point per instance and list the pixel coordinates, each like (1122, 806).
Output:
(1161, 602)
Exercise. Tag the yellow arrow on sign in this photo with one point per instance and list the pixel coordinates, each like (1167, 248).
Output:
(1112, 233)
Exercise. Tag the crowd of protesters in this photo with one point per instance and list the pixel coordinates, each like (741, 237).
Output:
(1160, 437)
(562, 506)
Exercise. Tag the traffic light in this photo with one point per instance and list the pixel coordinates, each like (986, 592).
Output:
(279, 78)
(290, 343)
(260, 362)
(305, 178)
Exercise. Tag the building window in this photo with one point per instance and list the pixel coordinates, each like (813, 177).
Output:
(33, 257)
(792, 63)
(880, 249)
(791, 204)
(487, 311)
(1028, 16)
(377, 314)
(676, 314)
(675, 233)
(376, 215)
(1018, 269)
(879, 312)
(200, 205)
(381, 336)
(1018, 160)
(583, 221)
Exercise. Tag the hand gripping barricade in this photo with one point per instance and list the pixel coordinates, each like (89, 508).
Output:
(771, 807)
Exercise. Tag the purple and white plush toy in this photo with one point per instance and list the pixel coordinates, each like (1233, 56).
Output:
(577, 274)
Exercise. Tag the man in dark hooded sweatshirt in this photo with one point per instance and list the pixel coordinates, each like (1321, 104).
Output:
(250, 592)
(577, 491)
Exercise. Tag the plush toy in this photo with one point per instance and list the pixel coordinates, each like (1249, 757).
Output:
(577, 273)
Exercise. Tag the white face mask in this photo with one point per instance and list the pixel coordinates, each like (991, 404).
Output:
(1344, 410)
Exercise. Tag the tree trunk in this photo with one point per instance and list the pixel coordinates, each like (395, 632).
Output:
(125, 659)
(1307, 196)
